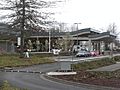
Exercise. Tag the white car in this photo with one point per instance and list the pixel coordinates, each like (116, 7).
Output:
(83, 54)
(56, 51)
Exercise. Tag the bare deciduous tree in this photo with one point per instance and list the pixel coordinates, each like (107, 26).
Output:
(112, 28)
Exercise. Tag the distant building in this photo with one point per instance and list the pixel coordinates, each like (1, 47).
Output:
(7, 39)
(85, 38)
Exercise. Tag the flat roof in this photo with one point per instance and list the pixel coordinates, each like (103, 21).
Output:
(61, 34)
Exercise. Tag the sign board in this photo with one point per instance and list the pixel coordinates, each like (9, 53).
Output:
(19, 41)
(65, 65)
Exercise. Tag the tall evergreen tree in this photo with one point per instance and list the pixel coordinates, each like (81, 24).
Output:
(27, 15)
(32, 11)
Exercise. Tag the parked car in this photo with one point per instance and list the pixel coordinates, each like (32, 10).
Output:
(83, 54)
(94, 53)
(56, 51)
(77, 48)
(87, 53)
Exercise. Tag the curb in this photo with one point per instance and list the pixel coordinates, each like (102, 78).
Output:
(88, 86)
(22, 71)
(61, 73)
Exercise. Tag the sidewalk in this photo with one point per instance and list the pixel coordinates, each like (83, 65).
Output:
(113, 67)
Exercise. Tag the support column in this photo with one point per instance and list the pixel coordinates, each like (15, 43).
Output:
(93, 44)
(107, 48)
(12, 47)
(99, 47)
(46, 45)
(89, 45)
(111, 49)
(102, 47)
(66, 45)
(6, 47)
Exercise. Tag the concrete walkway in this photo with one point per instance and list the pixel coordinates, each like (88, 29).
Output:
(113, 67)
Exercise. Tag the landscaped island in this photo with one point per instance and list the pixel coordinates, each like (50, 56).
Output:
(103, 78)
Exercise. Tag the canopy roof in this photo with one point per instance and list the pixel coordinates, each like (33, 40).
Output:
(83, 34)
(6, 34)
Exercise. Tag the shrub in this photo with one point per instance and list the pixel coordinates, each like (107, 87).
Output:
(116, 58)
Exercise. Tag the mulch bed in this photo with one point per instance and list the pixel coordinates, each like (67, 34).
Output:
(88, 78)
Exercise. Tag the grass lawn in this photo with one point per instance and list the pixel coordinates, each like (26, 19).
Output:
(15, 60)
(93, 64)
(7, 86)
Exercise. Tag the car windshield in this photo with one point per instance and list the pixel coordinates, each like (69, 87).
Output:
(81, 51)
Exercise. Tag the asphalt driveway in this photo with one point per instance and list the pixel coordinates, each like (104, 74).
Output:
(33, 81)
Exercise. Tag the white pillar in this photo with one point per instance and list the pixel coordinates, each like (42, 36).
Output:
(89, 46)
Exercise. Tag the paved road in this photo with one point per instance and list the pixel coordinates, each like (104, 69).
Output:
(80, 59)
(36, 81)
(33, 81)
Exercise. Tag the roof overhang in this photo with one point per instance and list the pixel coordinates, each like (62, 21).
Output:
(106, 36)
(79, 38)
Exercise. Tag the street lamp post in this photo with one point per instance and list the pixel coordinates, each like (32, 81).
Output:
(73, 44)
(77, 32)
(49, 40)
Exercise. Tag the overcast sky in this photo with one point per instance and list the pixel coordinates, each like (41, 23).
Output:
(96, 14)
